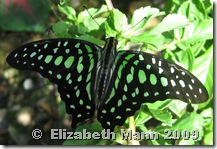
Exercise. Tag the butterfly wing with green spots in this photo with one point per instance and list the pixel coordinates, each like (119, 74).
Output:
(117, 83)
(69, 63)
(144, 78)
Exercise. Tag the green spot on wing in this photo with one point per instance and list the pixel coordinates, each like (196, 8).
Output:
(116, 83)
(55, 50)
(120, 70)
(119, 102)
(146, 94)
(88, 48)
(59, 43)
(137, 91)
(141, 76)
(33, 54)
(124, 98)
(68, 63)
(88, 107)
(133, 94)
(125, 88)
(128, 109)
(148, 66)
(77, 93)
(88, 90)
(72, 106)
(112, 110)
(118, 117)
(40, 57)
(77, 45)
(70, 81)
(80, 66)
(156, 93)
(58, 60)
(59, 76)
(129, 78)
(67, 51)
(65, 43)
(153, 79)
(80, 78)
(68, 76)
(136, 62)
(81, 102)
(45, 46)
(111, 95)
(164, 81)
(48, 58)
(141, 58)
(50, 72)
(79, 51)
(128, 57)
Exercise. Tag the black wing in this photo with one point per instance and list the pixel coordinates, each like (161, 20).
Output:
(144, 78)
(69, 63)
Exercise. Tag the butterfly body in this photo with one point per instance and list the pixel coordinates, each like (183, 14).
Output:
(115, 83)
(105, 69)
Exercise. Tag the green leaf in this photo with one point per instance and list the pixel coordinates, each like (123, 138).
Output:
(186, 58)
(141, 118)
(189, 141)
(190, 121)
(91, 25)
(68, 11)
(62, 108)
(203, 69)
(119, 20)
(146, 38)
(160, 105)
(162, 115)
(177, 107)
(84, 15)
(61, 29)
(28, 15)
(197, 30)
(88, 130)
(193, 10)
(170, 22)
(91, 39)
(142, 15)
(154, 110)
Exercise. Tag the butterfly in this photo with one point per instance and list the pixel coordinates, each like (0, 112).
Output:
(113, 83)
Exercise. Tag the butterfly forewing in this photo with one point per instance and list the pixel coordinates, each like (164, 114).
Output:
(69, 63)
(144, 78)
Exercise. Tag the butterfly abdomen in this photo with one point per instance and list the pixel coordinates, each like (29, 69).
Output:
(106, 64)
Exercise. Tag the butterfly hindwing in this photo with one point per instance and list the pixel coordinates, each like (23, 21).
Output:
(144, 78)
(77, 103)
(69, 63)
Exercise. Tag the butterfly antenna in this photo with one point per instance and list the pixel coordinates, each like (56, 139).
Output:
(135, 25)
(93, 19)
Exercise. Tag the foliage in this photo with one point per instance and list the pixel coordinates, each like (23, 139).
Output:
(184, 36)
(24, 15)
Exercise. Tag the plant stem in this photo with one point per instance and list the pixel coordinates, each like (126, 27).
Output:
(133, 128)
(54, 11)
(109, 4)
